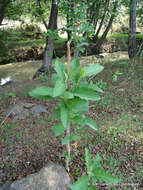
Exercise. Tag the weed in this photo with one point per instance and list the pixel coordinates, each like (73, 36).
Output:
(19, 135)
(43, 78)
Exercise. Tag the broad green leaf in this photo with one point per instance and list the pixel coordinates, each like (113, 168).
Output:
(75, 138)
(95, 87)
(42, 91)
(59, 88)
(77, 105)
(64, 116)
(96, 163)
(75, 63)
(56, 114)
(80, 184)
(92, 86)
(60, 68)
(79, 120)
(104, 176)
(68, 95)
(92, 70)
(86, 93)
(89, 162)
(54, 78)
(58, 129)
(76, 71)
(92, 187)
(65, 140)
(91, 123)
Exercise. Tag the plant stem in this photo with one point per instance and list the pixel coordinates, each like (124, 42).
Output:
(68, 130)
(68, 149)
(68, 56)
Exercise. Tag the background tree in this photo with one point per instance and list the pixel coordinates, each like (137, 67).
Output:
(51, 31)
(132, 30)
(105, 20)
(3, 6)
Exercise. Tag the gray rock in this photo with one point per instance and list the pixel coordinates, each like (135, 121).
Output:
(17, 111)
(37, 109)
(6, 186)
(21, 110)
(51, 177)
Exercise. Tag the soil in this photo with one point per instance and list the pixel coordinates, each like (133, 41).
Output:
(27, 145)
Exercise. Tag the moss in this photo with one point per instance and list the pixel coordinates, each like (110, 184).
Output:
(118, 36)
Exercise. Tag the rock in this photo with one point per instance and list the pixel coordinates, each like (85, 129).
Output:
(16, 111)
(6, 186)
(21, 110)
(51, 177)
(28, 105)
(37, 109)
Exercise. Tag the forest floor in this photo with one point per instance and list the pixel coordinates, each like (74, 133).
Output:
(27, 145)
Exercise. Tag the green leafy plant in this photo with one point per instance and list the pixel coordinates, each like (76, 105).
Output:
(95, 173)
(43, 78)
(71, 86)
(10, 94)
(116, 75)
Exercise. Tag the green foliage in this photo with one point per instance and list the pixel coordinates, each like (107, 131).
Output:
(82, 183)
(116, 75)
(42, 92)
(3, 41)
(10, 94)
(119, 36)
(43, 78)
(14, 11)
(74, 94)
(92, 70)
(95, 173)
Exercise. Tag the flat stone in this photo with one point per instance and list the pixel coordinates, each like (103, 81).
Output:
(37, 109)
(17, 111)
(6, 186)
(51, 177)
(21, 110)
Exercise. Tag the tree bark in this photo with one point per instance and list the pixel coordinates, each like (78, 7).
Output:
(70, 17)
(132, 30)
(49, 48)
(100, 41)
(3, 6)
(102, 20)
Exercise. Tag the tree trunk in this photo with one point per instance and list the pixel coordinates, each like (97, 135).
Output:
(70, 17)
(132, 31)
(102, 20)
(100, 41)
(3, 6)
(49, 48)
(94, 15)
(53, 16)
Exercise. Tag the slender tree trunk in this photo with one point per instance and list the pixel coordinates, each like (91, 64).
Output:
(102, 20)
(70, 16)
(49, 48)
(132, 31)
(100, 41)
(3, 6)
(53, 15)
(95, 14)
